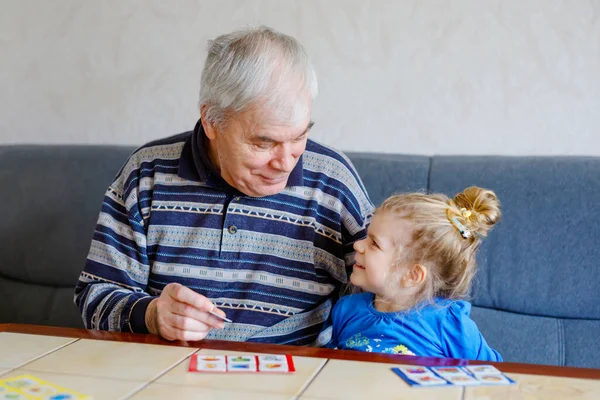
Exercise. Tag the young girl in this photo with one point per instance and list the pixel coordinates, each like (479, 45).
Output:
(415, 265)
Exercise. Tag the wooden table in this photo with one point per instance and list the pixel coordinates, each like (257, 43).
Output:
(109, 365)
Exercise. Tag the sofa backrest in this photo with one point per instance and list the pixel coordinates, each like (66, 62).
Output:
(535, 297)
(51, 197)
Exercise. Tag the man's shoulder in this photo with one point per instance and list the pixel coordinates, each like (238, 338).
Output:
(158, 151)
(167, 146)
(326, 154)
(324, 160)
(326, 167)
(162, 153)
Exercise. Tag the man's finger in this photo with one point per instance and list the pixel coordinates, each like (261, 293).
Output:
(186, 310)
(187, 324)
(186, 295)
(177, 334)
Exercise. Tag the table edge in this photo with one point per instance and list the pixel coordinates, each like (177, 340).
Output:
(301, 351)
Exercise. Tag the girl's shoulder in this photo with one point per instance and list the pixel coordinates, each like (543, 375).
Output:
(455, 306)
(452, 311)
(455, 314)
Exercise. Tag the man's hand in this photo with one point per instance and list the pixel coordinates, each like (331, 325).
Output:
(181, 314)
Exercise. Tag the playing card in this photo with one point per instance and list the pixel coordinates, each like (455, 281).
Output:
(483, 369)
(273, 367)
(212, 359)
(416, 372)
(419, 376)
(462, 380)
(210, 366)
(429, 380)
(244, 359)
(241, 367)
(493, 379)
(272, 358)
(449, 371)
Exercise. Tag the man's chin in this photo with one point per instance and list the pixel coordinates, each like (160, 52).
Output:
(266, 190)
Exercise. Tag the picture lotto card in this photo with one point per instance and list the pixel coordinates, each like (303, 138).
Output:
(251, 363)
(27, 387)
(458, 376)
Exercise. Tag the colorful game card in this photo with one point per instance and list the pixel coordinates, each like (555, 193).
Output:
(31, 388)
(212, 359)
(483, 369)
(429, 380)
(211, 366)
(494, 379)
(416, 371)
(448, 371)
(420, 376)
(243, 363)
(455, 375)
(458, 376)
(462, 380)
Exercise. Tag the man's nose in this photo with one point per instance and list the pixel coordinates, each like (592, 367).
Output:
(284, 160)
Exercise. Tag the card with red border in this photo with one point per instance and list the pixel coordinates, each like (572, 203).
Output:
(249, 363)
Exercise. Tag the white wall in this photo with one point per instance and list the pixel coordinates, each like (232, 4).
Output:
(418, 76)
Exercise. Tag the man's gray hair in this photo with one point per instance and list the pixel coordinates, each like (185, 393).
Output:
(257, 67)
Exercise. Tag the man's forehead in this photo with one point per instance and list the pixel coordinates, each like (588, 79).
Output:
(277, 131)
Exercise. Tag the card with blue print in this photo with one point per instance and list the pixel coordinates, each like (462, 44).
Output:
(453, 376)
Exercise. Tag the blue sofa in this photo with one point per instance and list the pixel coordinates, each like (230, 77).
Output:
(536, 296)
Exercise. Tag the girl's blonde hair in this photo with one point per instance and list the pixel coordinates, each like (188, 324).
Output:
(446, 235)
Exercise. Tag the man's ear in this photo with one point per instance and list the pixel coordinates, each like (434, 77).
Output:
(415, 276)
(209, 128)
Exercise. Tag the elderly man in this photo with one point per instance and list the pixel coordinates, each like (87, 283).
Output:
(243, 216)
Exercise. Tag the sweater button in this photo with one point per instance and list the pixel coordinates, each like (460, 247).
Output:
(232, 229)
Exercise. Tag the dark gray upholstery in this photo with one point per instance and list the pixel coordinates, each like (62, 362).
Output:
(51, 199)
(536, 295)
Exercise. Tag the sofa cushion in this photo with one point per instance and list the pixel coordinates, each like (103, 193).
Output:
(38, 304)
(522, 338)
(54, 196)
(539, 340)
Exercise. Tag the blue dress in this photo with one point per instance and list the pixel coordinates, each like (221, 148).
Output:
(442, 328)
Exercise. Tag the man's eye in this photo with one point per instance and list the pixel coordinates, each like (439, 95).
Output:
(264, 146)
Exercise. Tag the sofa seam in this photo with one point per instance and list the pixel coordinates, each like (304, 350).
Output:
(429, 174)
(25, 282)
(561, 342)
(49, 306)
(533, 315)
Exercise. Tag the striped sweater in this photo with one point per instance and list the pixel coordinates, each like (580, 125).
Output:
(274, 264)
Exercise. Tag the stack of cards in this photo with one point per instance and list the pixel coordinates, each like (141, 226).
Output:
(443, 376)
(32, 388)
(245, 363)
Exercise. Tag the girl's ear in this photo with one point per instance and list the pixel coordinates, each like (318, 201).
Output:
(414, 276)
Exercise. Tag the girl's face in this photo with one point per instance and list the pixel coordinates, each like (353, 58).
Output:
(377, 255)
